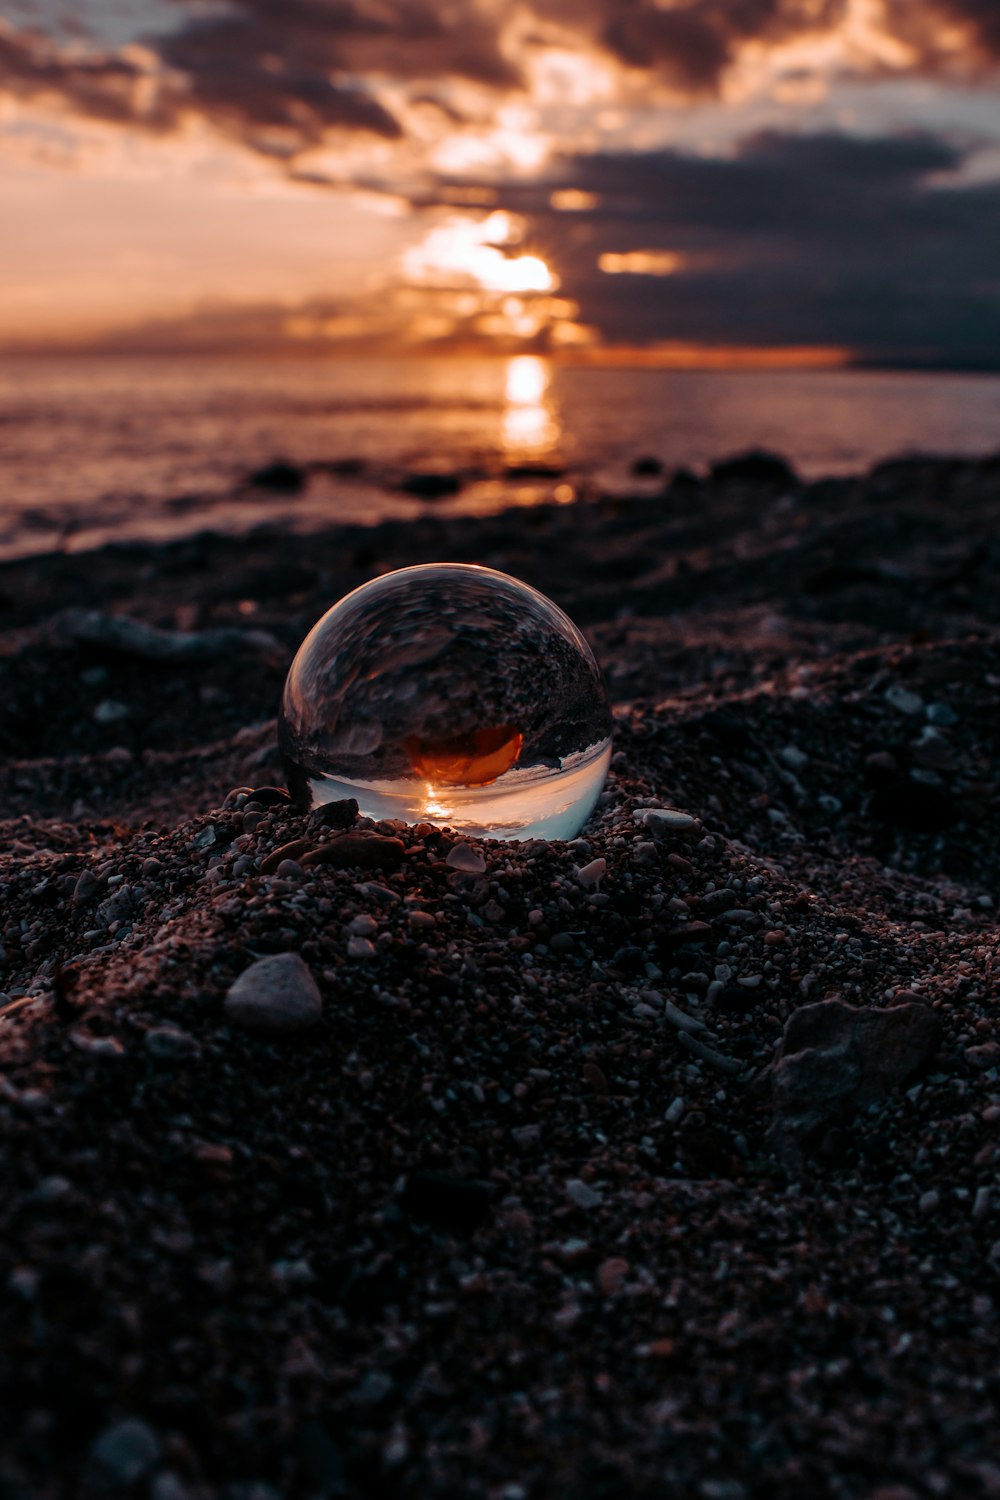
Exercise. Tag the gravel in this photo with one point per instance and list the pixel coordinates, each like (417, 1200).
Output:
(524, 1211)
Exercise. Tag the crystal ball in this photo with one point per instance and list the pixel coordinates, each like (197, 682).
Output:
(449, 694)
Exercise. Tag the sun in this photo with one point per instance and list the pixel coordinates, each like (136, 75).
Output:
(483, 253)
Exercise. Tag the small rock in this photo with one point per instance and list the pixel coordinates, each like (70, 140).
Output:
(275, 995)
(941, 716)
(902, 698)
(97, 1046)
(340, 814)
(110, 711)
(611, 1274)
(662, 821)
(467, 859)
(126, 1451)
(86, 888)
(169, 1043)
(360, 947)
(591, 875)
(580, 1193)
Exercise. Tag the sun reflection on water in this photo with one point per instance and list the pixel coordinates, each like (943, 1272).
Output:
(530, 418)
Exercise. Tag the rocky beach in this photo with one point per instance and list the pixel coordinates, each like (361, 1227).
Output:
(355, 1160)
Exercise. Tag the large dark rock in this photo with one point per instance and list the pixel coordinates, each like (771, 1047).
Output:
(835, 1059)
(430, 484)
(282, 477)
(759, 468)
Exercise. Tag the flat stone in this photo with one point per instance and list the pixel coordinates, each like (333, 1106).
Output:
(465, 858)
(276, 995)
(663, 821)
(835, 1059)
(368, 851)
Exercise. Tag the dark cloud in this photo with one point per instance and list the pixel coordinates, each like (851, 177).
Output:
(281, 76)
(690, 45)
(261, 67)
(827, 240)
(277, 77)
(103, 86)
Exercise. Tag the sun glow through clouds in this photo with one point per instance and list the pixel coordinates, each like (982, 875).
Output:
(463, 250)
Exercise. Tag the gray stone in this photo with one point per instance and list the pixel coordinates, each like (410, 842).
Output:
(835, 1059)
(583, 1195)
(276, 995)
(169, 1043)
(126, 1451)
(663, 821)
(901, 698)
(465, 858)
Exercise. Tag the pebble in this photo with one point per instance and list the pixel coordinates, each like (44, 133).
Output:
(97, 1046)
(674, 1111)
(169, 1043)
(903, 699)
(611, 1274)
(360, 947)
(681, 1019)
(110, 711)
(86, 887)
(661, 821)
(126, 1452)
(275, 995)
(582, 1194)
(941, 715)
(709, 1056)
(467, 859)
(985, 1056)
(591, 875)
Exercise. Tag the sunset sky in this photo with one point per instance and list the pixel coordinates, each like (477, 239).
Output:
(801, 180)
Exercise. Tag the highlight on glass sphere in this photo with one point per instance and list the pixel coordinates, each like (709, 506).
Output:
(450, 694)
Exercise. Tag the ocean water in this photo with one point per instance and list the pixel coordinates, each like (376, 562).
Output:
(98, 448)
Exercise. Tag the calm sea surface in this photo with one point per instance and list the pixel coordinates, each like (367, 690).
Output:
(99, 448)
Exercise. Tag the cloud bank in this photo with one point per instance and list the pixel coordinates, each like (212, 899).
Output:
(281, 78)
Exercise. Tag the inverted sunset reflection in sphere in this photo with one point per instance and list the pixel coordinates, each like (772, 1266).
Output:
(450, 694)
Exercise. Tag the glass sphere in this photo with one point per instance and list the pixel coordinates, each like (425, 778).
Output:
(449, 694)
